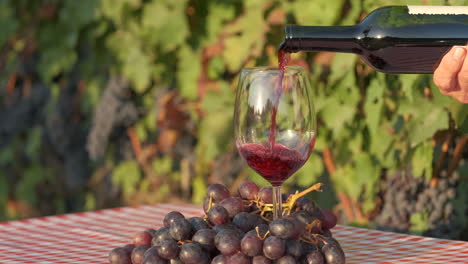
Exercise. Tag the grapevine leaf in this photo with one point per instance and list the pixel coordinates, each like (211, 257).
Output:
(189, 71)
(8, 23)
(215, 133)
(419, 222)
(78, 13)
(219, 13)
(115, 9)
(422, 160)
(374, 103)
(126, 175)
(310, 172)
(318, 12)
(408, 85)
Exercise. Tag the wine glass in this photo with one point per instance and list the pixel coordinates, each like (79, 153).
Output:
(275, 123)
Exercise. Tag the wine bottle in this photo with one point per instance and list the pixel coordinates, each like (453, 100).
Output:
(391, 39)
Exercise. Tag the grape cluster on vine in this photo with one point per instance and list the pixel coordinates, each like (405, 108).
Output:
(239, 229)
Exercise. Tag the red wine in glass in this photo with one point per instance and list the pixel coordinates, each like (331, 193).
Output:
(274, 123)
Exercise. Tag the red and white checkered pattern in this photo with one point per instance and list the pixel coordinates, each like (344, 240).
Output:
(88, 238)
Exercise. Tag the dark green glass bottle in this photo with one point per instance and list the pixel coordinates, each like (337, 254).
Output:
(392, 39)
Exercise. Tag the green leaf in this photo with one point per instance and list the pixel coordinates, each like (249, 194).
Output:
(419, 222)
(26, 187)
(215, 133)
(428, 119)
(409, 82)
(8, 23)
(162, 165)
(219, 13)
(115, 9)
(165, 23)
(189, 71)
(422, 160)
(374, 103)
(78, 13)
(127, 175)
(318, 12)
(310, 172)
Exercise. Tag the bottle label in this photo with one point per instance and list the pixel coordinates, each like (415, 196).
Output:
(437, 10)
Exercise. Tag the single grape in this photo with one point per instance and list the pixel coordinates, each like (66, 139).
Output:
(233, 205)
(129, 247)
(171, 216)
(176, 261)
(251, 244)
(228, 227)
(198, 223)
(265, 194)
(246, 221)
(329, 219)
(206, 204)
(142, 238)
(274, 247)
(294, 248)
(314, 257)
(168, 249)
(162, 233)
(218, 192)
(181, 229)
(151, 257)
(286, 260)
(239, 258)
(137, 254)
(304, 217)
(260, 260)
(120, 256)
(206, 238)
(227, 242)
(151, 231)
(220, 259)
(192, 253)
(333, 254)
(218, 215)
(248, 190)
(283, 228)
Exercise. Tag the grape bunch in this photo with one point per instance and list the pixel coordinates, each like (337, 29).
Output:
(239, 229)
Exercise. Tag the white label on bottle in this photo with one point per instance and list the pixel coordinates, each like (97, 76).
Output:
(437, 10)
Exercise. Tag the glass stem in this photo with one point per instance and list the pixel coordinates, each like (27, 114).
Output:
(277, 202)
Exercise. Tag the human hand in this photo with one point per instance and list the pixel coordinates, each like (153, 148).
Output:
(451, 76)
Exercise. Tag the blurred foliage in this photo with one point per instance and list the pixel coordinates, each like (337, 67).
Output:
(181, 58)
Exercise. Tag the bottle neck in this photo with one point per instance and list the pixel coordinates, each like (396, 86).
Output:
(317, 38)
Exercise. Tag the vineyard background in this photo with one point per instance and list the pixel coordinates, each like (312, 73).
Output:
(125, 102)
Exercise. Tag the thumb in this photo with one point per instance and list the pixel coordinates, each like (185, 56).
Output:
(445, 76)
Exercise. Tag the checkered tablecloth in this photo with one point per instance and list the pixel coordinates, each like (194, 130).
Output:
(88, 237)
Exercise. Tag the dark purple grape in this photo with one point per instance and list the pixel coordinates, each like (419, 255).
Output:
(162, 233)
(286, 260)
(307, 247)
(228, 227)
(260, 260)
(304, 217)
(314, 257)
(294, 248)
(283, 228)
(171, 216)
(227, 242)
(192, 253)
(218, 192)
(206, 204)
(262, 229)
(151, 257)
(333, 254)
(274, 247)
(180, 229)
(329, 219)
(176, 261)
(265, 194)
(198, 223)
(137, 254)
(220, 259)
(142, 238)
(120, 256)
(327, 233)
(239, 258)
(306, 204)
(251, 244)
(151, 231)
(233, 205)
(218, 215)
(206, 238)
(248, 190)
(246, 221)
(168, 249)
(129, 247)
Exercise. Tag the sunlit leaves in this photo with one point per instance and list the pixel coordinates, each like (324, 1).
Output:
(189, 71)
(126, 175)
(318, 12)
(374, 102)
(422, 160)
